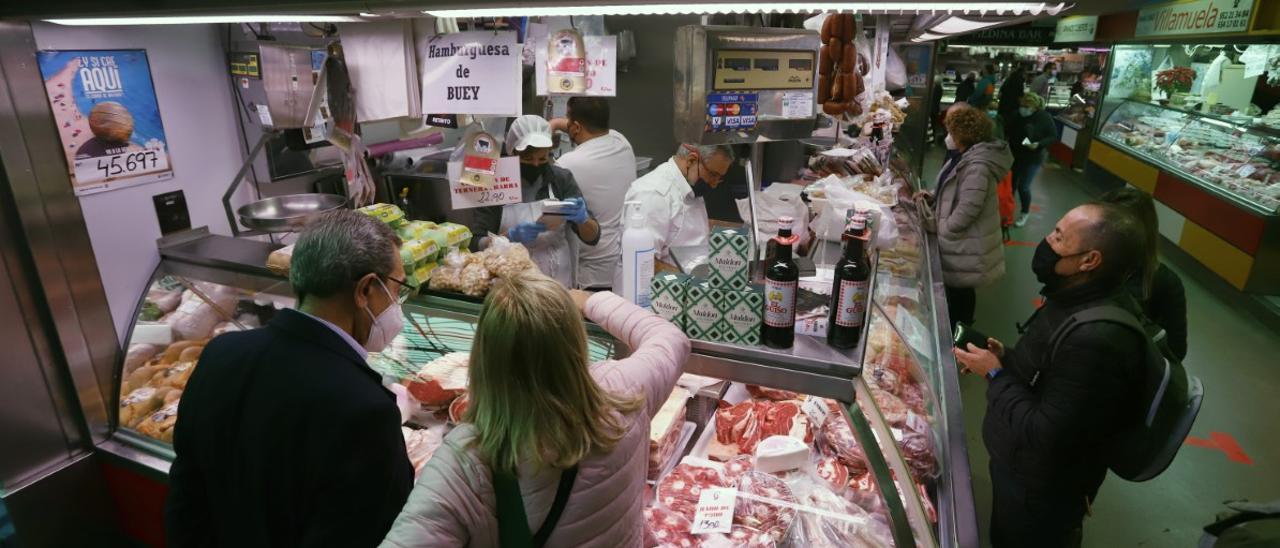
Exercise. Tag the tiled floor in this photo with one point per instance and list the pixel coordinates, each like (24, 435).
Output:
(1235, 447)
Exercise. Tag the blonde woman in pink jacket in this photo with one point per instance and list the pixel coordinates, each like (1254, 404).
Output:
(542, 421)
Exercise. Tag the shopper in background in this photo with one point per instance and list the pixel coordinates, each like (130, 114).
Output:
(1040, 84)
(984, 90)
(964, 90)
(543, 423)
(285, 436)
(1011, 92)
(1157, 287)
(604, 166)
(1037, 128)
(966, 217)
(671, 198)
(529, 137)
(1053, 413)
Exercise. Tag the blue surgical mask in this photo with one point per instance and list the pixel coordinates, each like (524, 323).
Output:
(1024, 111)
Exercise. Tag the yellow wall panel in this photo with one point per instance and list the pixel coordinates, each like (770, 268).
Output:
(1124, 166)
(1227, 260)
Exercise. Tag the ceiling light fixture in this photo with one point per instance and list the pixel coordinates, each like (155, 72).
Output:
(956, 25)
(1028, 8)
(203, 19)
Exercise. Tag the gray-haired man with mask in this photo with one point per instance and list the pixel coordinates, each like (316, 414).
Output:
(285, 436)
(670, 197)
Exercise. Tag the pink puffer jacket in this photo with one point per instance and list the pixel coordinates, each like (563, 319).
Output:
(453, 502)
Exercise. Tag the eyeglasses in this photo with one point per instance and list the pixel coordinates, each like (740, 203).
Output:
(406, 290)
(714, 175)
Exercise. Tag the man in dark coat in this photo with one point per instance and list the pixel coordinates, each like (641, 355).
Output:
(1052, 416)
(285, 436)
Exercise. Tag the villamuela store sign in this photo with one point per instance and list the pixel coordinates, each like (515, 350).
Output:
(1195, 17)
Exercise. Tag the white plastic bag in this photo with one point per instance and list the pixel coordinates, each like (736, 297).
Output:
(895, 75)
(779, 200)
(830, 222)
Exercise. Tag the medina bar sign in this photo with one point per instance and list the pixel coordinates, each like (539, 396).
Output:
(1019, 35)
(1195, 17)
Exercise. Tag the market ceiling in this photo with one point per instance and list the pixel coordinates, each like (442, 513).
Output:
(123, 8)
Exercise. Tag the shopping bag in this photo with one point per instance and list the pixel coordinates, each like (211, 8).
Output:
(1004, 193)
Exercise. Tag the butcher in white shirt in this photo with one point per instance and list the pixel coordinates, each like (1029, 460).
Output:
(670, 198)
(604, 166)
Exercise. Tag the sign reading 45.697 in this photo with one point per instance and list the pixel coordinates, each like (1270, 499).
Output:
(125, 164)
(107, 117)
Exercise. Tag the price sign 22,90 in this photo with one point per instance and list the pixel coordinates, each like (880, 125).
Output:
(121, 165)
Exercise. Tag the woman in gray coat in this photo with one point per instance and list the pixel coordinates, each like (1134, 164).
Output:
(966, 214)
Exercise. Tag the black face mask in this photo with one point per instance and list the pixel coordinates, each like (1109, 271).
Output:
(530, 172)
(1044, 263)
(701, 188)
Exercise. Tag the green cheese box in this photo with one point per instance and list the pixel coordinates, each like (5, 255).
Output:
(702, 311)
(742, 313)
(729, 258)
(666, 297)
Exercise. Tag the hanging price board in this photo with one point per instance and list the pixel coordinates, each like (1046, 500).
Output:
(505, 189)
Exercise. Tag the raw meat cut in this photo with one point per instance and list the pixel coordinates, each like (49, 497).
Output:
(826, 520)
(891, 406)
(458, 409)
(765, 393)
(665, 430)
(838, 441)
(918, 452)
(834, 472)
(441, 380)
(667, 529)
(680, 489)
(765, 503)
(740, 427)
(884, 379)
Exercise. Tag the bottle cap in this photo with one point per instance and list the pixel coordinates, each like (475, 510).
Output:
(785, 223)
(856, 223)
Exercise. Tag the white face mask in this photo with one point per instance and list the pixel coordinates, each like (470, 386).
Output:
(1024, 111)
(386, 326)
(951, 144)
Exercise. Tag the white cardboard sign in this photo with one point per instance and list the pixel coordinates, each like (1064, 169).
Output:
(472, 73)
(602, 64)
(714, 513)
(505, 189)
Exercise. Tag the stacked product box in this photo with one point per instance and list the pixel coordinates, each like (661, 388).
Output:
(424, 244)
(725, 307)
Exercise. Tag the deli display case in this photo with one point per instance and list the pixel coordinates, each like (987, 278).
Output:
(876, 455)
(1236, 157)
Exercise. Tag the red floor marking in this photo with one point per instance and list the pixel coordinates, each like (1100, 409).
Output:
(1035, 208)
(1222, 442)
(1022, 243)
(1037, 302)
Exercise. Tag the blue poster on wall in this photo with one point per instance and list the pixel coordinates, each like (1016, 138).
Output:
(108, 117)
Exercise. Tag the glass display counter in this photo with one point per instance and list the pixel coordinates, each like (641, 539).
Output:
(1236, 156)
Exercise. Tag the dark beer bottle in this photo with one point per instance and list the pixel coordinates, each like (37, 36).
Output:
(780, 281)
(849, 290)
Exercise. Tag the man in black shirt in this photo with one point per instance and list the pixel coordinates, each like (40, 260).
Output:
(1052, 416)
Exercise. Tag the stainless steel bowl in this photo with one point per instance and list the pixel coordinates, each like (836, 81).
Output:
(287, 213)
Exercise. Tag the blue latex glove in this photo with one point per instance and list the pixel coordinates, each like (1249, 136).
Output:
(579, 215)
(524, 233)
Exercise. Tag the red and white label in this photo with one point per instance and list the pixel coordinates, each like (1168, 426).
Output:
(852, 303)
(779, 303)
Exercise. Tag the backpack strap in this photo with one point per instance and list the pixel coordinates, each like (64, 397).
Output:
(513, 523)
(1101, 313)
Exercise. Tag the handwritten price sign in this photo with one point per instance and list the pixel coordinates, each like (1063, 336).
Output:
(125, 164)
(715, 511)
(505, 189)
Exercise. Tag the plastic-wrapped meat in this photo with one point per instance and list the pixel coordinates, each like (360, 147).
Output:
(864, 493)
(765, 503)
(892, 407)
(745, 537)
(681, 489)
(667, 529)
(736, 468)
(827, 520)
(766, 393)
(838, 441)
(884, 379)
(834, 472)
(918, 452)
(912, 394)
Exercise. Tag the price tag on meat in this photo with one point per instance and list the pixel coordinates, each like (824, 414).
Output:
(816, 409)
(1247, 170)
(715, 511)
(505, 189)
(125, 164)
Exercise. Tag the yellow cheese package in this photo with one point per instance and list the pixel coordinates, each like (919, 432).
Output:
(422, 274)
(459, 236)
(387, 213)
(415, 230)
(416, 252)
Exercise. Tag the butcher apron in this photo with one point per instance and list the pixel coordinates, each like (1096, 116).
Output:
(551, 250)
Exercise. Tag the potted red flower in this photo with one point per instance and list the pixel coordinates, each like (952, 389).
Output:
(1175, 82)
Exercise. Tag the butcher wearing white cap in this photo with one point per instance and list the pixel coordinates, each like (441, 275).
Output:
(529, 138)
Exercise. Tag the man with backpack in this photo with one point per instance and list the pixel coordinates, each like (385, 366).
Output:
(1058, 409)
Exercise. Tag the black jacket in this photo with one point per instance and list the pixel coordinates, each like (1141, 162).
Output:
(1167, 307)
(1053, 435)
(1038, 127)
(285, 437)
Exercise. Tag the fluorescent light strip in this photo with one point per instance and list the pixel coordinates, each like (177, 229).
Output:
(925, 37)
(1033, 8)
(956, 25)
(204, 19)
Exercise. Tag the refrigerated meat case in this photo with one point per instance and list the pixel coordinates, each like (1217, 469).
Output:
(898, 391)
